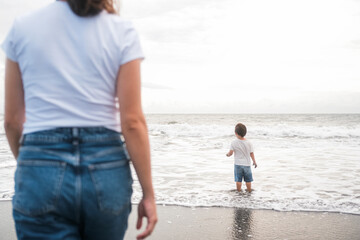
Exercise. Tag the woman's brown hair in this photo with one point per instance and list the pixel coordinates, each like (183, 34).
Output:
(85, 8)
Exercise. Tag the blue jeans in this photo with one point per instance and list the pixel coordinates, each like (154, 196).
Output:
(72, 183)
(242, 172)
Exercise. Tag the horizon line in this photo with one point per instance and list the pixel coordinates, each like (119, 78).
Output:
(264, 113)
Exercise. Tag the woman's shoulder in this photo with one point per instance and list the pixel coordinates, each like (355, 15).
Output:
(38, 15)
(117, 21)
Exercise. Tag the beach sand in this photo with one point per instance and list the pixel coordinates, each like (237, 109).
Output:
(230, 223)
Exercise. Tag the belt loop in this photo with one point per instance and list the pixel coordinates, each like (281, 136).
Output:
(75, 136)
(122, 138)
(21, 140)
(75, 132)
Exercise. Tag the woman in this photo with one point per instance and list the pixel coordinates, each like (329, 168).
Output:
(68, 66)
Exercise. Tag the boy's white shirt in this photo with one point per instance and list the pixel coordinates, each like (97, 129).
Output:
(242, 150)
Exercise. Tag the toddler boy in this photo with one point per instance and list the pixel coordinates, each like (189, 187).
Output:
(243, 150)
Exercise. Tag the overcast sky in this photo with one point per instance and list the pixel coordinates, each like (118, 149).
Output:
(244, 56)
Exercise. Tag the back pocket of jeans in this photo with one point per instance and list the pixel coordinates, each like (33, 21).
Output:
(113, 185)
(37, 186)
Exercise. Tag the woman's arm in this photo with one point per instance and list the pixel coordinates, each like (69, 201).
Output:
(134, 128)
(14, 105)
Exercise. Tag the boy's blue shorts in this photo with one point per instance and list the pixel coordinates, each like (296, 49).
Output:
(242, 172)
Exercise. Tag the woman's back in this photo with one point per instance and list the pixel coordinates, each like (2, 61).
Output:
(69, 66)
(63, 75)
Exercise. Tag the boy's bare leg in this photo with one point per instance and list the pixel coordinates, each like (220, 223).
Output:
(248, 186)
(238, 186)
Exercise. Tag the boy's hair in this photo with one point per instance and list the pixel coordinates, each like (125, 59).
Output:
(240, 129)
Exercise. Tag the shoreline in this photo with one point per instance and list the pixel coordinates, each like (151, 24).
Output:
(254, 209)
(177, 222)
(226, 207)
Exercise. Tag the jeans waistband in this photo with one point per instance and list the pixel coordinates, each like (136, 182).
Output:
(69, 134)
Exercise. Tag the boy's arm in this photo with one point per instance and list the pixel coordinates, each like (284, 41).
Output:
(253, 159)
(230, 153)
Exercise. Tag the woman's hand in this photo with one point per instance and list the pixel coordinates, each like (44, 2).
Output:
(146, 208)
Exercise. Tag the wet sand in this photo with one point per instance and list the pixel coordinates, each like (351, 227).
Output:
(230, 223)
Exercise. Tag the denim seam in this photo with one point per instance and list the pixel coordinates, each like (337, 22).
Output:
(37, 162)
(38, 138)
(107, 165)
(100, 139)
(96, 188)
(38, 149)
(60, 184)
(78, 195)
(103, 152)
(49, 139)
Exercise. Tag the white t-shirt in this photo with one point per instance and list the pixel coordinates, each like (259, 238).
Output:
(242, 150)
(69, 66)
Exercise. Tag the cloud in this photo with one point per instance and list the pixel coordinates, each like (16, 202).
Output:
(201, 54)
(355, 44)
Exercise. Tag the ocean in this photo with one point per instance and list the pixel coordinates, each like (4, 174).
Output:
(306, 162)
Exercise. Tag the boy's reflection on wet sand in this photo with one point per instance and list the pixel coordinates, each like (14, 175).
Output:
(243, 224)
